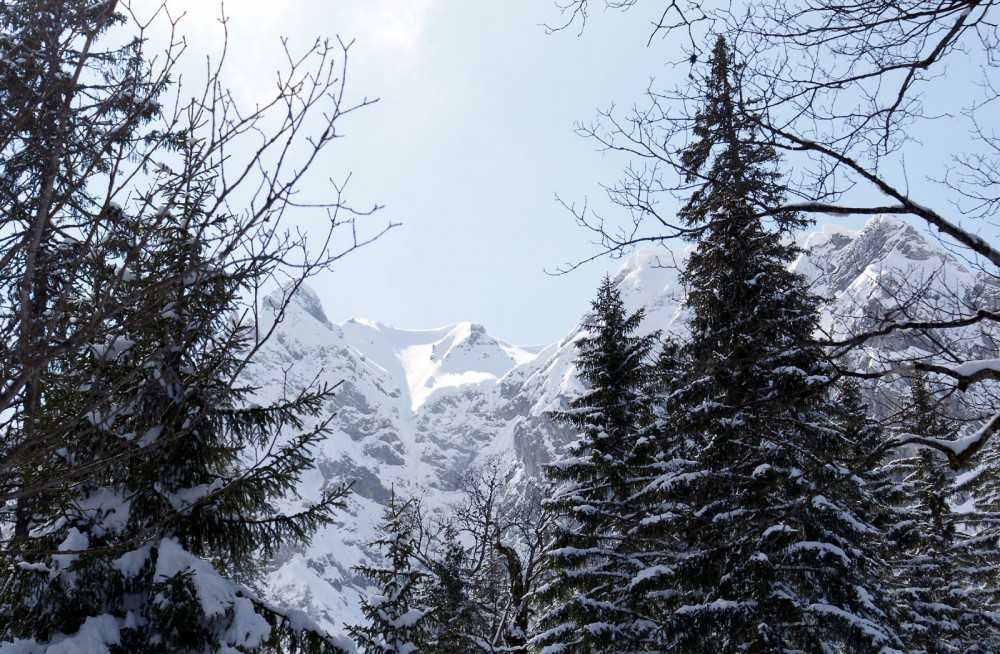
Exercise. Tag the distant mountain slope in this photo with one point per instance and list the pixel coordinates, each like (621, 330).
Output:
(416, 409)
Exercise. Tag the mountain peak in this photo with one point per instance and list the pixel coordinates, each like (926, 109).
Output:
(649, 280)
(300, 296)
(886, 234)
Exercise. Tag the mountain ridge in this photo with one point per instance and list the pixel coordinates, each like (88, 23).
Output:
(418, 408)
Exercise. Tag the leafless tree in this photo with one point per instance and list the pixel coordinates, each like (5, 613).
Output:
(509, 526)
(502, 529)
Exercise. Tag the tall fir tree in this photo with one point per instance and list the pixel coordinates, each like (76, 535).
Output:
(776, 549)
(139, 477)
(592, 559)
(726, 161)
(878, 470)
(54, 144)
(950, 604)
(976, 587)
(396, 623)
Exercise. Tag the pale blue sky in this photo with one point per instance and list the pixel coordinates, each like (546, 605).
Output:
(467, 147)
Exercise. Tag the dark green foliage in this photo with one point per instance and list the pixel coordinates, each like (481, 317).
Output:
(186, 502)
(454, 621)
(930, 470)
(773, 548)
(939, 574)
(728, 159)
(592, 555)
(138, 477)
(975, 552)
(55, 134)
(867, 454)
(396, 623)
(615, 364)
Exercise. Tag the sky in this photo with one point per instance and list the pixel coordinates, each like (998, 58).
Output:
(470, 142)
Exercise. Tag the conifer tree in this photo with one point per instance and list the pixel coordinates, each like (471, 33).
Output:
(949, 602)
(776, 551)
(592, 556)
(396, 623)
(453, 623)
(865, 435)
(155, 542)
(926, 573)
(977, 552)
(52, 149)
(898, 480)
(727, 161)
(925, 419)
(139, 477)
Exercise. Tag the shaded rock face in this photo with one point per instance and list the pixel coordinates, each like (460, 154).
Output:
(415, 410)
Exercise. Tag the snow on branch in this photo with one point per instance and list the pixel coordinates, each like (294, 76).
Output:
(911, 325)
(958, 451)
(964, 374)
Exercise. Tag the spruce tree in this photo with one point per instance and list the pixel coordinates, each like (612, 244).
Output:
(776, 551)
(925, 568)
(592, 555)
(950, 605)
(726, 161)
(396, 624)
(876, 468)
(55, 135)
(139, 478)
(976, 550)
(453, 624)
(149, 550)
(924, 419)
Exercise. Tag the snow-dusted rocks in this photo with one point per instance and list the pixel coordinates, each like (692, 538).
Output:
(413, 411)
(891, 269)
(867, 273)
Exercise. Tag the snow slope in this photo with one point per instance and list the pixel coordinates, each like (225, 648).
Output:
(416, 409)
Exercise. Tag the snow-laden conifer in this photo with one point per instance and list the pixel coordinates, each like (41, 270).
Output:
(396, 622)
(775, 550)
(140, 481)
(975, 553)
(593, 557)
(945, 569)
(161, 536)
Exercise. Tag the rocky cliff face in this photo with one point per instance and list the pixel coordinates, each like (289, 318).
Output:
(412, 412)
(890, 270)
(415, 409)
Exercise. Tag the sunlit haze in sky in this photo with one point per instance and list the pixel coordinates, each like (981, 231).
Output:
(467, 147)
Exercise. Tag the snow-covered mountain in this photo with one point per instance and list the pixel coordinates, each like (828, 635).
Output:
(416, 409)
